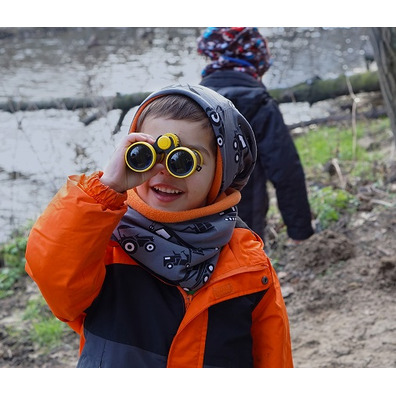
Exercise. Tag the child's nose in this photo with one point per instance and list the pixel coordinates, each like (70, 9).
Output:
(162, 168)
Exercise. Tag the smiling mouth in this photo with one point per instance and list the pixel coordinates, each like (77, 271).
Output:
(167, 190)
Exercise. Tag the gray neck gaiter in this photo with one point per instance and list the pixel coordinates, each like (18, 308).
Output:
(182, 253)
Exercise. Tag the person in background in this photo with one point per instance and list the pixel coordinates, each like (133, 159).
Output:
(239, 58)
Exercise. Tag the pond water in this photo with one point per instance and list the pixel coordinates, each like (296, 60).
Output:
(40, 148)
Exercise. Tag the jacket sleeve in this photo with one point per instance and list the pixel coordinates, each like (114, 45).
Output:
(280, 159)
(270, 330)
(67, 245)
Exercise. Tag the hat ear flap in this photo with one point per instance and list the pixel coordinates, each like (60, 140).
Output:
(218, 178)
(249, 153)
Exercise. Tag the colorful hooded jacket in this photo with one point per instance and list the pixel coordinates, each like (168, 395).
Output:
(128, 316)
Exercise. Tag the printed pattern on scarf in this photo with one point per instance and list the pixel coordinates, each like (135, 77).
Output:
(184, 253)
(241, 49)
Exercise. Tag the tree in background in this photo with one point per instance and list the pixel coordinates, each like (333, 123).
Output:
(383, 40)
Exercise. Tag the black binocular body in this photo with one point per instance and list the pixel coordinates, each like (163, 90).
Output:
(179, 161)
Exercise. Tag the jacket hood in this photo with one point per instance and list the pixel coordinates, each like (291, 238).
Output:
(234, 136)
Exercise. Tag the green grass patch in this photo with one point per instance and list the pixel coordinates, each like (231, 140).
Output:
(319, 146)
(364, 166)
(45, 329)
(329, 203)
(48, 333)
(12, 262)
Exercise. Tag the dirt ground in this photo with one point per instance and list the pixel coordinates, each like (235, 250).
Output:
(339, 287)
(342, 293)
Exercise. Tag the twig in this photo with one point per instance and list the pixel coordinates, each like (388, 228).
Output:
(337, 168)
(93, 117)
(384, 203)
(355, 100)
(120, 120)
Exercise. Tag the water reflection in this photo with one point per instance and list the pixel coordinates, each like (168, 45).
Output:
(45, 63)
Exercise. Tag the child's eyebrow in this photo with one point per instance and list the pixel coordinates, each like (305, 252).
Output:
(199, 148)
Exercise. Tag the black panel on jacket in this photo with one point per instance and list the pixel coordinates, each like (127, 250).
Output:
(99, 352)
(136, 309)
(229, 340)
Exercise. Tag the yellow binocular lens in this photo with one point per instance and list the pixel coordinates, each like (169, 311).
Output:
(180, 161)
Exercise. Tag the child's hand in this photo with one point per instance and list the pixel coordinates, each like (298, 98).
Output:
(117, 175)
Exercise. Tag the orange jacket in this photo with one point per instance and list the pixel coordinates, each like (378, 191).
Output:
(237, 319)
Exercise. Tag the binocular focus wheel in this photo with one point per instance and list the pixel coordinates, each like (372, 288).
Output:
(167, 141)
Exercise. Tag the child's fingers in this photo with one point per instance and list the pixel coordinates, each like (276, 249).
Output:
(137, 137)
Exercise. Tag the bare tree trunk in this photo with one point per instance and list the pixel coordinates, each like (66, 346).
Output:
(383, 40)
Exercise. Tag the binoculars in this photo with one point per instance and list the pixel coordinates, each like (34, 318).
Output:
(179, 161)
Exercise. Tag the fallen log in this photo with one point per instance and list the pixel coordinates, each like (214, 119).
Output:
(316, 90)
(310, 91)
(121, 102)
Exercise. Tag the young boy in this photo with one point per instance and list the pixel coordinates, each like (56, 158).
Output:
(154, 269)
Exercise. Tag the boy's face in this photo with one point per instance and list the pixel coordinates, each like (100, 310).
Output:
(166, 192)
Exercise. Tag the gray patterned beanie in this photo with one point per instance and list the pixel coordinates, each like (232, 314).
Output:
(234, 135)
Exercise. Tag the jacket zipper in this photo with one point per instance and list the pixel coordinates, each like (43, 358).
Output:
(187, 298)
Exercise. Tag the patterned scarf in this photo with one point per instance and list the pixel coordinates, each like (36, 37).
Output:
(242, 49)
(183, 253)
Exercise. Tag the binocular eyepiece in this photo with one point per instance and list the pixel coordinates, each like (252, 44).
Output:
(179, 161)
